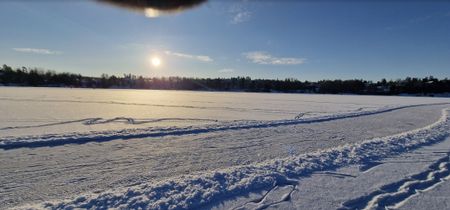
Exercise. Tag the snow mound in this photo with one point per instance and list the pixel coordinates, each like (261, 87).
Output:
(194, 191)
(100, 136)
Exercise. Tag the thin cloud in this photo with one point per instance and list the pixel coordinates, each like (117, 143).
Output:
(421, 19)
(37, 51)
(241, 17)
(418, 20)
(226, 70)
(239, 13)
(260, 57)
(203, 58)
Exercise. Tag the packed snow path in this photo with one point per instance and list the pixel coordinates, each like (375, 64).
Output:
(45, 173)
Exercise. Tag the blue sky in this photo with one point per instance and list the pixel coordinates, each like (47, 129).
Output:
(261, 39)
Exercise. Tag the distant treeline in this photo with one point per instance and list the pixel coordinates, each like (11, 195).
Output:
(45, 78)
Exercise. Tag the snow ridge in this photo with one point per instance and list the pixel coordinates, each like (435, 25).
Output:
(195, 191)
(100, 136)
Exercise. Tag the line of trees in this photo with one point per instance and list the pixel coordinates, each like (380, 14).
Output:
(37, 77)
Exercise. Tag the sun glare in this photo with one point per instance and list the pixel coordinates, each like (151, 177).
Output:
(156, 61)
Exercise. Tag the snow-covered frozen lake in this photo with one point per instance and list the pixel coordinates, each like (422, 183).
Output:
(60, 110)
(63, 148)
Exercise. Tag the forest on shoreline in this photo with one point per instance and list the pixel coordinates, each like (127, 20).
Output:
(46, 78)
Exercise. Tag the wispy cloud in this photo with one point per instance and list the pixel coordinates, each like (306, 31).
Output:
(420, 19)
(226, 70)
(241, 17)
(239, 13)
(203, 58)
(260, 57)
(37, 51)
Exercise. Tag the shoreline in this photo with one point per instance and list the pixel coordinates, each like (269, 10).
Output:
(433, 95)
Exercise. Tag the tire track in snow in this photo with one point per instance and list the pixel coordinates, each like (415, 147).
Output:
(195, 191)
(95, 136)
(98, 120)
(393, 195)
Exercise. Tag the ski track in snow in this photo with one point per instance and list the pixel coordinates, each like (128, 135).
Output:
(101, 136)
(195, 191)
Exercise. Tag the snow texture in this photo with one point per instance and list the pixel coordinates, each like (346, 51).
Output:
(61, 139)
(195, 191)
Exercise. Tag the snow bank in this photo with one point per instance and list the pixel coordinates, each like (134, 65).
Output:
(194, 191)
(99, 136)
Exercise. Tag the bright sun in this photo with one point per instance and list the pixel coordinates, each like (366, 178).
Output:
(156, 61)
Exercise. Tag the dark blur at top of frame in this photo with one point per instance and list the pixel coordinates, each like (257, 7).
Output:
(155, 8)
